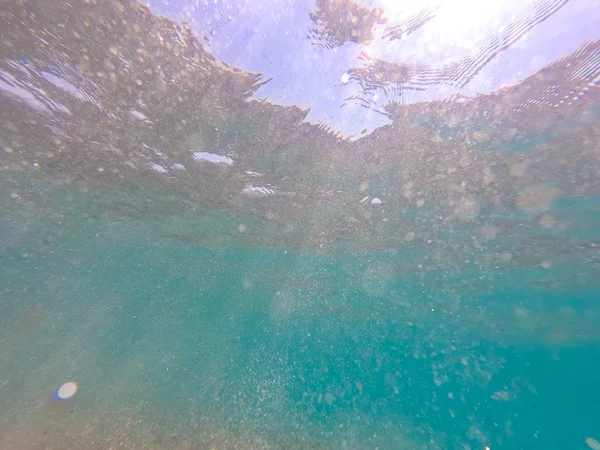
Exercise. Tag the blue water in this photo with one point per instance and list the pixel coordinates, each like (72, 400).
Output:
(238, 346)
(212, 269)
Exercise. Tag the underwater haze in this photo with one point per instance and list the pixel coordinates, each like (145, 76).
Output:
(299, 224)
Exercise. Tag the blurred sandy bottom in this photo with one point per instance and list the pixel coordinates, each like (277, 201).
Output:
(64, 430)
(53, 425)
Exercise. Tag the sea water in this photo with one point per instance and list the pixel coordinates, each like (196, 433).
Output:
(176, 345)
(415, 289)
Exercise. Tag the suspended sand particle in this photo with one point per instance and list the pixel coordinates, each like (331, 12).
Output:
(547, 221)
(467, 208)
(480, 136)
(518, 169)
(488, 176)
(592, 443)
(488, 231)
(241, 228)
(67, 390)
(511, 133)
(500, 395)
(536, 198)
(522, 313)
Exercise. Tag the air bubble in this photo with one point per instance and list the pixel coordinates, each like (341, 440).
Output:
(66, 391)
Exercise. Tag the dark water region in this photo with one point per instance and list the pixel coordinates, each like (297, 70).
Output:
(215, 270)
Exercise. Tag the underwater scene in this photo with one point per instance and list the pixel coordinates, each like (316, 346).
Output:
(299, 224)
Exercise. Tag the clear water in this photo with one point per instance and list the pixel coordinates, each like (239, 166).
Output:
(216, 266)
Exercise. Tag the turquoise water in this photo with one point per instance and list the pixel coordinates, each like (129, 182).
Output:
(175, 344)
(219, 270)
